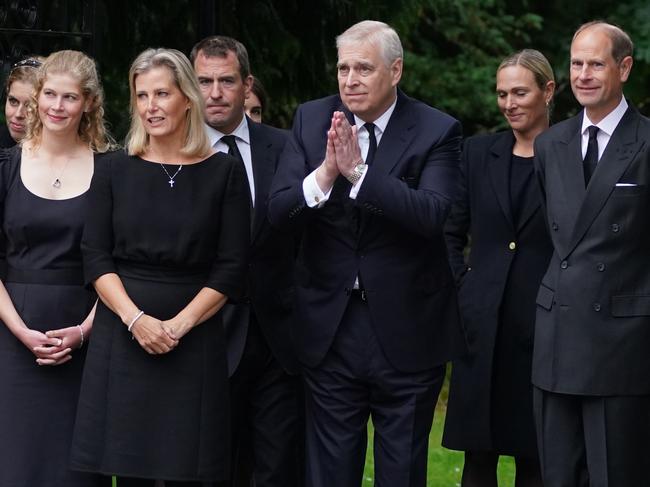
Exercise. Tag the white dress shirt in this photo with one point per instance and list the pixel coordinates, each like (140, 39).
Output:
(607, 126)
(314, 196)
(243, 141)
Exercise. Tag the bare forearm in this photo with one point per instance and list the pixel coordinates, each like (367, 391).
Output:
(203, 307)
(8, 313)
(87, 324)
(111, 291)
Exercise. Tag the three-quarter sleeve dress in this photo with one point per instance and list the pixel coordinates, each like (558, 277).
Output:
(161, 416)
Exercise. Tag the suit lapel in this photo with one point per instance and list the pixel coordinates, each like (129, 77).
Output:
(570, 174)
(396, 138)
(620, 151)
(499, 171)
(263, 168)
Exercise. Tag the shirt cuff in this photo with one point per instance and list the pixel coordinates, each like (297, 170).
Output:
(312, 192)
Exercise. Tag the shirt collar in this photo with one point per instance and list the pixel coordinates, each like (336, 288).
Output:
(610, 122)
(383, 119)
(241, 132)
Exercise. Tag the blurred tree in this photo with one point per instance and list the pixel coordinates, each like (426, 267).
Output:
(452, 47)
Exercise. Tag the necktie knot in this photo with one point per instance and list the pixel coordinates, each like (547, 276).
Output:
(370, 127)
(593, 131)
(230, 141)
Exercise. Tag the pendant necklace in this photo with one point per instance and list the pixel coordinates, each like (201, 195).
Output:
(171, 178)
(56, 183)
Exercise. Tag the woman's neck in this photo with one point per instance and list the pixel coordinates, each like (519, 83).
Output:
(60, 145)
(165, 149)
(524, 141)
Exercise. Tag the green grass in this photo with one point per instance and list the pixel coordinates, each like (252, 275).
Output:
(445, 466)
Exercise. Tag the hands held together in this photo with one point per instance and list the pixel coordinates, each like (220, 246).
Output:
(342, 153)
(53, 347)
(156, 336)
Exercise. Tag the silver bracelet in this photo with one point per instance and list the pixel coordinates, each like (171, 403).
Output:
(135, 318)
(81, 332)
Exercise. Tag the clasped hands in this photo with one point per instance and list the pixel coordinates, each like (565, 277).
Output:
(157, 336)
(54, 347)
(342, 153)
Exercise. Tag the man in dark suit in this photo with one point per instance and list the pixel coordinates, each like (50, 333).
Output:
(591, 366)
(368, 177)
(264, 389)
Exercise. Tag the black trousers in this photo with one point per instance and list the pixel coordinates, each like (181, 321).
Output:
(267, 418)
(593, 441)
(355, 381)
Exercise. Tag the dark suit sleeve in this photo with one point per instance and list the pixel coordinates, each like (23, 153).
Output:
(287, 205)
(422, 210)
(460, 219)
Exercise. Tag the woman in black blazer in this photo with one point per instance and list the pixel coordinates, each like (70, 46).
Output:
(490, 411)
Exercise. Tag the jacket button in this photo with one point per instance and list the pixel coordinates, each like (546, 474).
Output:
(596, 307)
(564, 264)
(554, 226)
(512, 245)
(615, 227)
(600, 266)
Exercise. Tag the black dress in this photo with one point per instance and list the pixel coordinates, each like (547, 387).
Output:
(161, 416)
(45, 283)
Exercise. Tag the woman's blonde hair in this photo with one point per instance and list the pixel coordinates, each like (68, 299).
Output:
(92, 127)
(196, 143)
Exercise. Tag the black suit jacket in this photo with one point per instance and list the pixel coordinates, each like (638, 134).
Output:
(271, 258)
(498, 286)
(399, 253)
(592, 334)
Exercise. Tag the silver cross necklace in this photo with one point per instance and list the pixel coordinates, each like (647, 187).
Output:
(171, 178)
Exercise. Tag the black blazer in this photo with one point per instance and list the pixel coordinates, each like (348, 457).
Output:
(592, 334)
(399, 253)
(504, 268)
(271, 261)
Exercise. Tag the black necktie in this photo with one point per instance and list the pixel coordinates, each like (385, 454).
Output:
(591, 157)
(372, 146)
(233, 150)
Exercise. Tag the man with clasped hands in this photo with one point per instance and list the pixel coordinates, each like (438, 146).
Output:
(368, 177)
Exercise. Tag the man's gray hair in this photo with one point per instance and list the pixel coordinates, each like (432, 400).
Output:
(376, 33)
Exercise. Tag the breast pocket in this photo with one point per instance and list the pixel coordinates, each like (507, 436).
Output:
(627, 191)
(411, 181)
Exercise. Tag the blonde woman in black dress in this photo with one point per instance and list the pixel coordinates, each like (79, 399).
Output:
(46, 312)
(165, 247)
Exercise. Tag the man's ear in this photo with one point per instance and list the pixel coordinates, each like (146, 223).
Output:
(396, 71)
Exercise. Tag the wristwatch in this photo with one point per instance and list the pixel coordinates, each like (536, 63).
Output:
(357, 172)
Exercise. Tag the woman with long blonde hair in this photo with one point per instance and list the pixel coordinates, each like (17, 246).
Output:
(46, 313)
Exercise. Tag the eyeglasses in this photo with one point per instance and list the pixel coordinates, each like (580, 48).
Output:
(27, 63)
